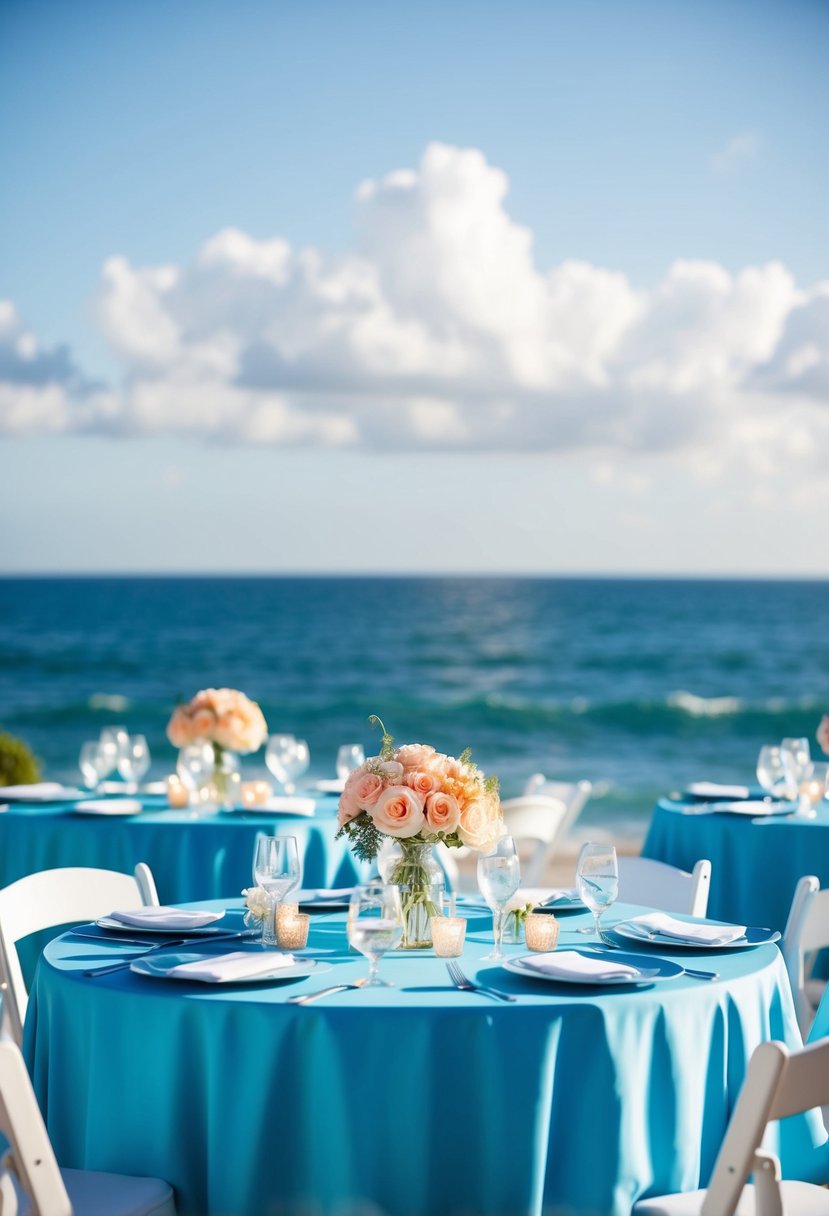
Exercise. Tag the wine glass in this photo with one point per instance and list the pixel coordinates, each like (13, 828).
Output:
(276, 869)
(597, 879)
(796, 751)
(91, 762)
(277, 751)
(774, 772)
(375, 925)
(349, 757)
(110, 743)
(134, 761)
(498, 878)
(195, 766)
(295, 764)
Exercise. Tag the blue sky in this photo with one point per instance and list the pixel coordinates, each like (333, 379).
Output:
(512, 344)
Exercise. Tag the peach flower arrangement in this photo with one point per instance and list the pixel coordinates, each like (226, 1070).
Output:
(221, 716)
(419, 796)
(823, 734)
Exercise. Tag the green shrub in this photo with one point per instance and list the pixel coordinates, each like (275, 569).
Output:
(17, 764)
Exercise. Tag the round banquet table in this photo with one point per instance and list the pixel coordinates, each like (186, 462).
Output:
(755, 862)
(192, 856)
(417, 1098)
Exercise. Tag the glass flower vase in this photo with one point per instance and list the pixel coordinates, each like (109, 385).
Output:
(225, 779)
(413, 868)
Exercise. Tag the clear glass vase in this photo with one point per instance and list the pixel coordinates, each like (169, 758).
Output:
(223, 789)
(412, 868)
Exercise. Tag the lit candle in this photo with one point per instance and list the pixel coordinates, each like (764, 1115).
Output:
(177, 795)
(291, 927)
(541, 931)
(448, 933)
(256, 793)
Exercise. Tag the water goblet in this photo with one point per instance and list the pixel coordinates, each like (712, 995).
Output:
(90, 763)
(276, 870)
(349, 757)
(295, 764)
(597, 879)
(110, 743)
(134, 761)
(277, 751)
(375, 925)
(498, 877)
(796, 752)
(812, 790)
(195, 766)
(774, 772)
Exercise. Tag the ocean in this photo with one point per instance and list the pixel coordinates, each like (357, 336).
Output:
(638, 685)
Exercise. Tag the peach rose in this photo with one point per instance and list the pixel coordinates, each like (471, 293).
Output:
(421, 782)
(179, 731)
(442, 812)
(481, 823)
(414, 755)
(366, 787)
(823, 734)
(398, 812)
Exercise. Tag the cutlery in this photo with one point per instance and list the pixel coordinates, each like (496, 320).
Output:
(697, 975)
(116, 939)
(315, 996)
(460, 981)
(167, 943)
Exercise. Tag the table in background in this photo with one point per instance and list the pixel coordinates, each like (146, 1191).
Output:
(418, 1098)
(755, 864)
(192, 856)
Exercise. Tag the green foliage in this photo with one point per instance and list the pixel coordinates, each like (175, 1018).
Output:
(17, 764)
(363, 836)
(387, 746)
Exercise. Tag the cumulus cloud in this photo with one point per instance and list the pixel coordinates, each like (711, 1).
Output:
(440, 330)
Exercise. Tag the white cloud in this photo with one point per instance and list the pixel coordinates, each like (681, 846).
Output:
(440, 330)
(738, 151)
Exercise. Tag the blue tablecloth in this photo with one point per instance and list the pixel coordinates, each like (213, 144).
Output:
(417, 1099)
(755, 864)
(204, 857)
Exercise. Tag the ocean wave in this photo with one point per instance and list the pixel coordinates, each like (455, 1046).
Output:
(114, 702)
(704, 707)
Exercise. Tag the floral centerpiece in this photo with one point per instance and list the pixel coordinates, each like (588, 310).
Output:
(227, 721)
(823, 734)
(417, 797)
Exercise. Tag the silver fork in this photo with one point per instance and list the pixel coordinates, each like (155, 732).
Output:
(697, 975)
(460, 981)
(315, 996)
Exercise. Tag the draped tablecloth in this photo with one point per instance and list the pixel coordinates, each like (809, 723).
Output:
(755, 863)
(416, 1099)
(191, 856)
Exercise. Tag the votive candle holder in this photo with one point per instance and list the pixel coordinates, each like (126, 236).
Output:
(255, 793)
(448, 935)
(178, 795)
(291, 927)
(541, 931)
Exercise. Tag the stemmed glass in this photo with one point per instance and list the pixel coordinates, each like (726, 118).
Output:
(498, 877)
(277, 751)
(195, 766)
(349, 757)
(796, 753)
(93, 763)
(276, 870)
(295, 764)
(134, 761)
(774, 772)
(375, 925)
(597, 879)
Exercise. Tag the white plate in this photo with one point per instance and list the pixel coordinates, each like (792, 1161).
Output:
(158, 966)
(44, 791)
(649, 971)
(108, 806)
(753, 937)
(106, 922)
(283, 805)
(329, 785)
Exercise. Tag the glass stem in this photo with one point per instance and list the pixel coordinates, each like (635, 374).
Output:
(269, 924)
(497, 928)
(373, 962)
(597, 916)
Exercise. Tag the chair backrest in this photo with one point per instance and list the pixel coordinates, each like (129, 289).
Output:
(645, 881)
(30, 1156)
(537, 820)
(573, 793)
(777, 1084)
(807, 928)
(58, 897)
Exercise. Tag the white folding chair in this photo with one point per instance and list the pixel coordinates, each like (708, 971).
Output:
(52, 898)
(645, 881)
(573, 793)
(535, 822)
(30, 1167)
(807, 930)
(777, 1084)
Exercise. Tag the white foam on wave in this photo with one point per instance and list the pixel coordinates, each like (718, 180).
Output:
(112, 701)
(704, 707)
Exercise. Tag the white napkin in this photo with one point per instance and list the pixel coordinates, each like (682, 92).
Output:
(240, 965)
(685, 931)
(288, 804)
(540, 895)
(165, 918)
(712, 789)
(40, 791)
(570, 964)
(322, 895)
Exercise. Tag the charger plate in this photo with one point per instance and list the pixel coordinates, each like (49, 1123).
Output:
(649, 970)
(753, 936)
(158, 967)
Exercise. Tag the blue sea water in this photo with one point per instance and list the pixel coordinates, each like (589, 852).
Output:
(638, 685)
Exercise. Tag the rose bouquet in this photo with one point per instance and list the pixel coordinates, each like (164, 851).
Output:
(418, 797)
(226, 721)
(823, 734)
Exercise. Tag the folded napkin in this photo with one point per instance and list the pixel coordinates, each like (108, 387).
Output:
(549, 896)
(40, 791)
(288, 804)
(570, 965)
(686, 931)
(240, 965)
(712, 789)
(165, 918)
